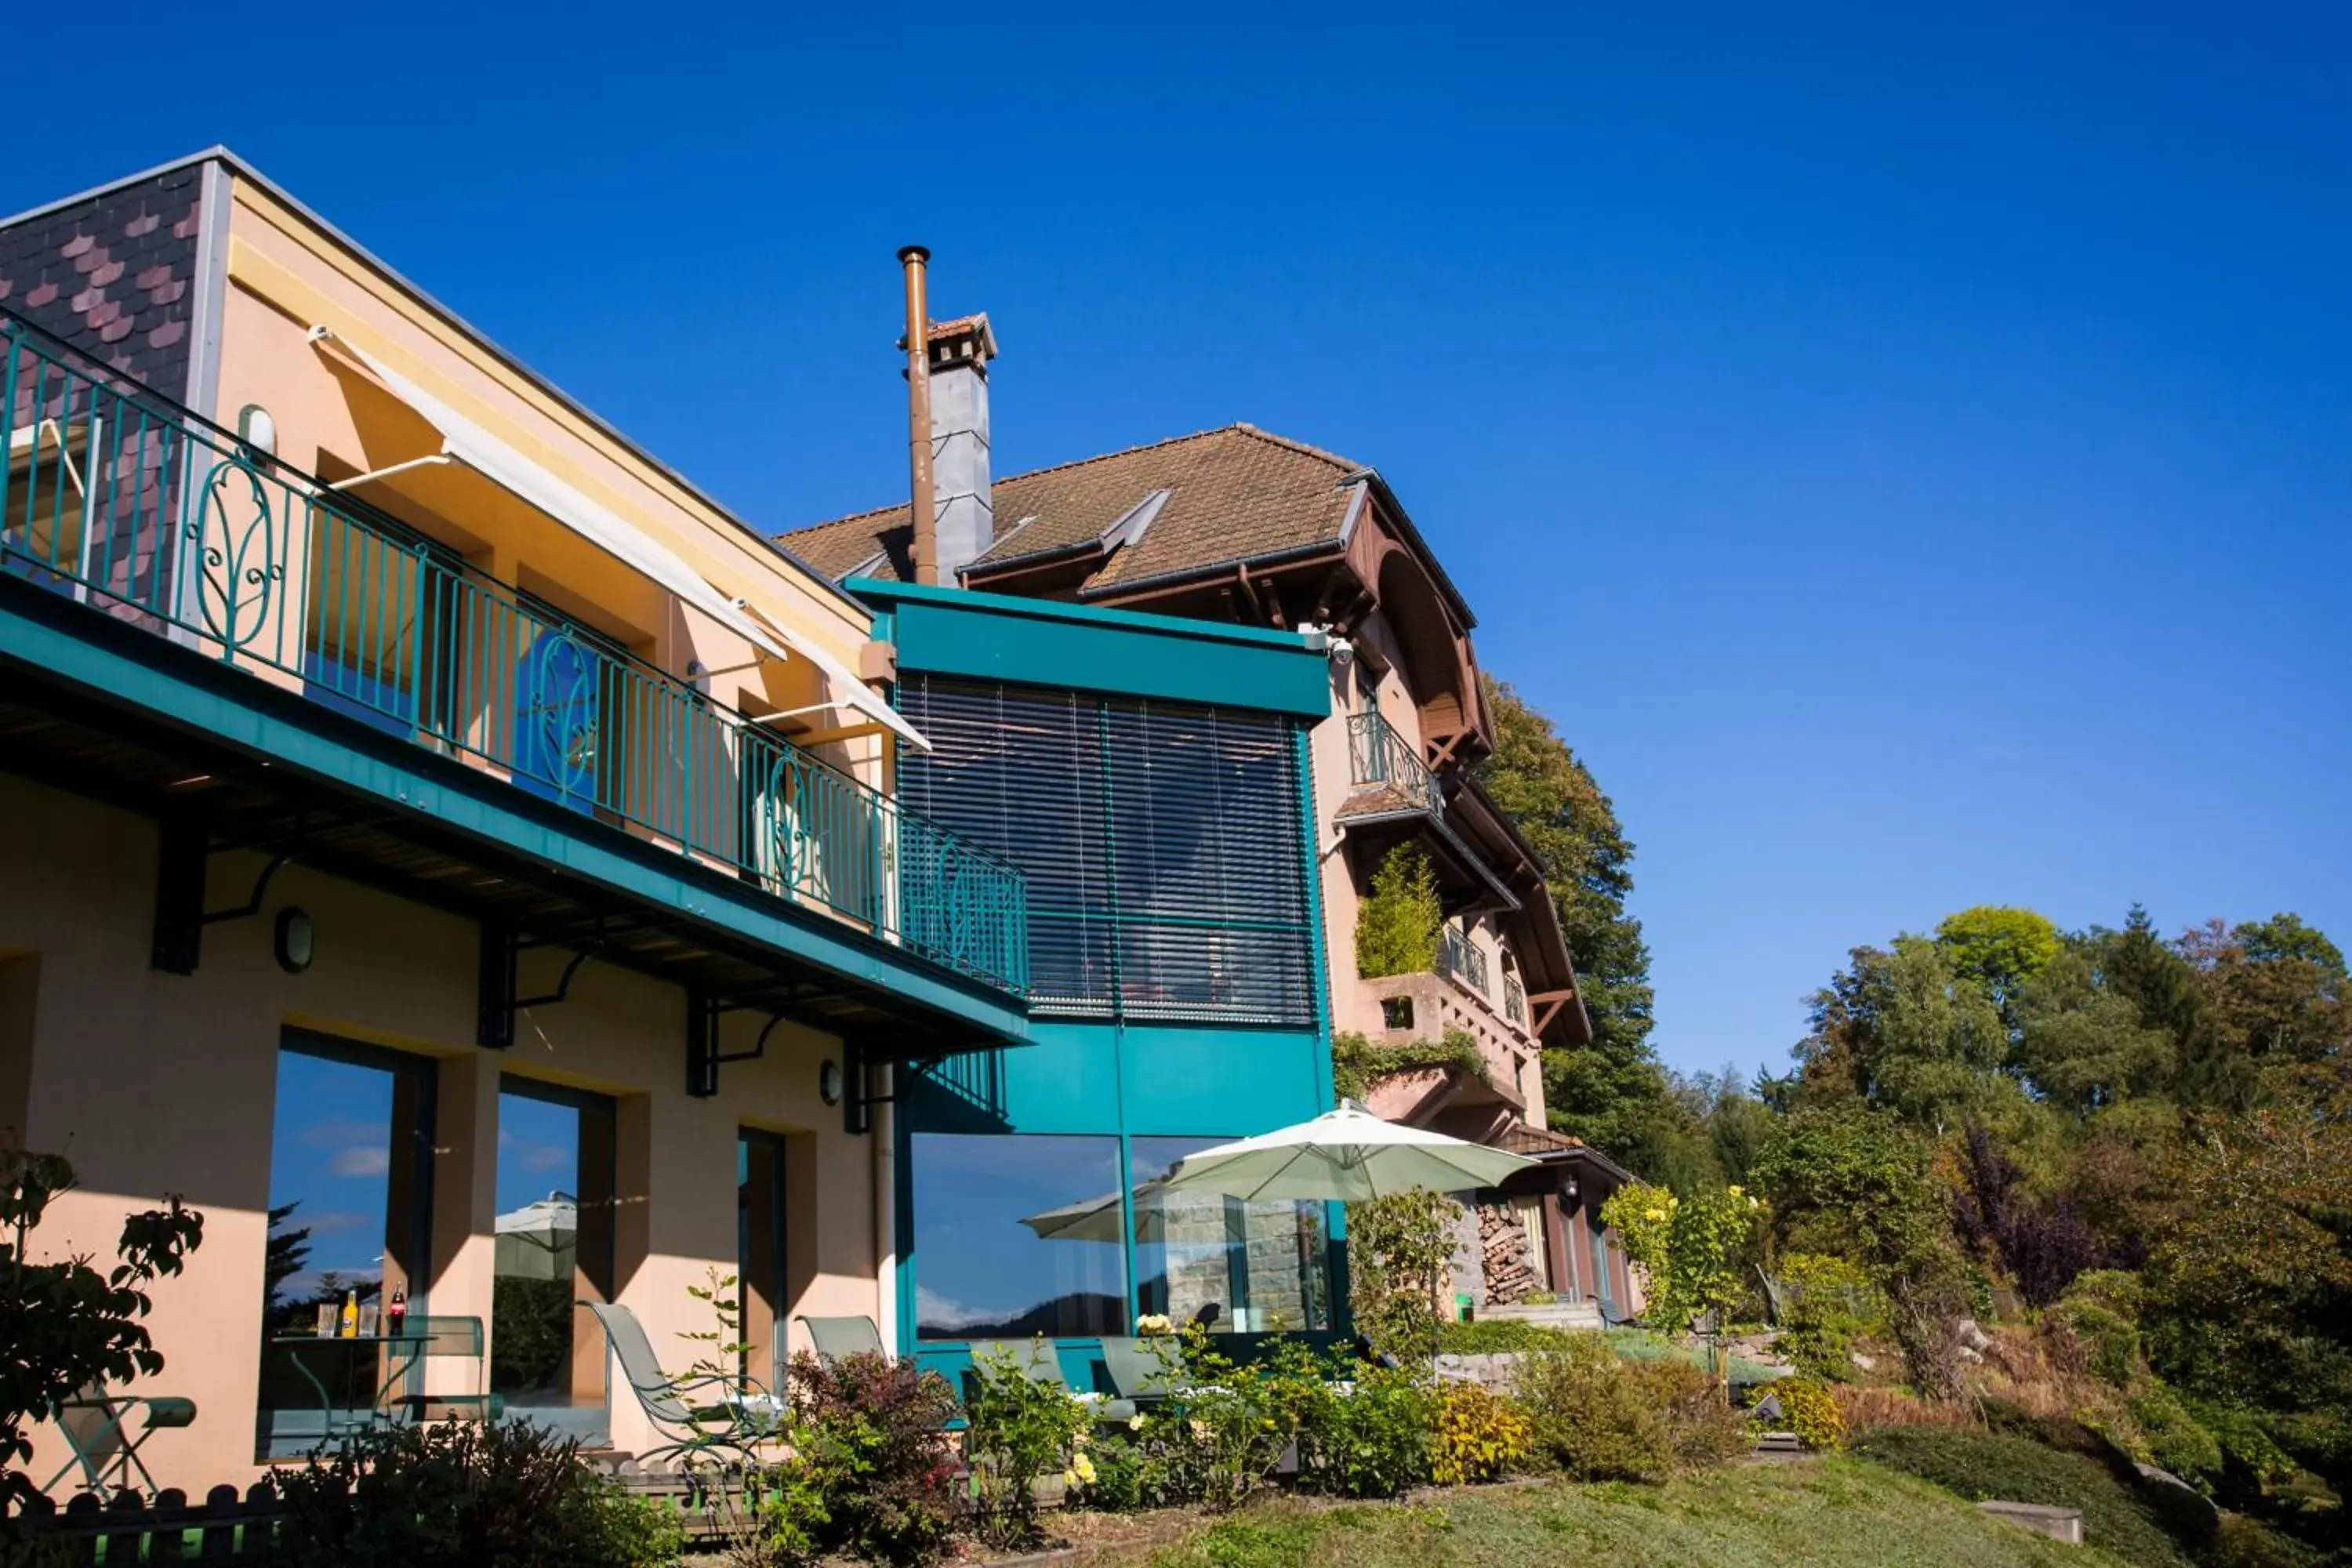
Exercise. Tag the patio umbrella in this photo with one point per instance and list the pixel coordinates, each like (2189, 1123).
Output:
(536, 1241)
(1346, 1155)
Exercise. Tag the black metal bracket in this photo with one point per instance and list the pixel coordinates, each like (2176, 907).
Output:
(858, 1099)
(251, 906)
(182, 856)
(703, 1056)
(501, 951)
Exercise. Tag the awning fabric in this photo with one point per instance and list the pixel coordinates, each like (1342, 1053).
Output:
(484, 453)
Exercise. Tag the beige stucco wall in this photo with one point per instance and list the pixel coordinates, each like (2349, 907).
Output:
(286, 276)
(153, 1083)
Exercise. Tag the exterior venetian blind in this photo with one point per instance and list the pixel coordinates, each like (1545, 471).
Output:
(1161, 843)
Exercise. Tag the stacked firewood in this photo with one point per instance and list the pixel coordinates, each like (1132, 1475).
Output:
(1510, 1270)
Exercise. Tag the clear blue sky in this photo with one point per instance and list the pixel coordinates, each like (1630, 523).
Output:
(1910, 458)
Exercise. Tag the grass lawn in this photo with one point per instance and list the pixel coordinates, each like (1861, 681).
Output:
(1826, 1513)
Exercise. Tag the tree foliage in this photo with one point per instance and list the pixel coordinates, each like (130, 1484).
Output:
(1397, 925)
(1613, 1093)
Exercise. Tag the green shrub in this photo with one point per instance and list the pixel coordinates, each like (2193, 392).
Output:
(1597, 1416)
(1216, 1442)
(1481, 1436)
(1374, 1441)
(1978, 1465)
(467, 1495)
(875, 1438)
(1495, 1336)
(1811, 1414)
(1398, 1247)
(1125, 1476)
(2110, 1341)
(1017, 1431)
(2172, 1438)
(1830, 1305)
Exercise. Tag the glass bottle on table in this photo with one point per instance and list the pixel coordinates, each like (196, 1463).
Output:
(395, 1314)
(350, 1320)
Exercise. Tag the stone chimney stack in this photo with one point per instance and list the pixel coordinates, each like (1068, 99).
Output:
(959, 353)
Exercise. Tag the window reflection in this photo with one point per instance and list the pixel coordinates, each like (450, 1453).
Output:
(554, 1244)
(1230, 1265)
(1017, 1235)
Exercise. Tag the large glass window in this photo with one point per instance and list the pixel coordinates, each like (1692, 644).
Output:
(350, 1222)
(554, 1246)
(1017, 1235)
(1230, 1265)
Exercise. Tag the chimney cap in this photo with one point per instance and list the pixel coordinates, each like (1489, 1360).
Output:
(946, 336)
(913, 253)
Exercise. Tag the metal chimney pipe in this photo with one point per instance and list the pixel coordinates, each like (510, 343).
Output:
(914, 258)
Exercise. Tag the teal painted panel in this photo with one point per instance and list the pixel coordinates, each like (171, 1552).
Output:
(1221, 1082)
(992, 636)
(215, 706)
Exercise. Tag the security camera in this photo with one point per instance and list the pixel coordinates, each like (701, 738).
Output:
(1343, 652)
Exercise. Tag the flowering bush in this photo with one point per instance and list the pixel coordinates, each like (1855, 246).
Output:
(1372, 1441)
(1216, 1442)
(1481, 1436)
(1020, 1430)
(1152, 1325)
(874, 1434)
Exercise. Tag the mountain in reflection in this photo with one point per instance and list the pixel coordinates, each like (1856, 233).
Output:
(1074, 1315)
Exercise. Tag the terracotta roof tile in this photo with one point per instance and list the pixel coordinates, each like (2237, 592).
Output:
(1234, 494)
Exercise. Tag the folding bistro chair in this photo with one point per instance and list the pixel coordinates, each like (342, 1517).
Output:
(97, 1427)
(448, 1337)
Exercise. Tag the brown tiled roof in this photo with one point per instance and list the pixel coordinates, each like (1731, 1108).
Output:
(1234, 494)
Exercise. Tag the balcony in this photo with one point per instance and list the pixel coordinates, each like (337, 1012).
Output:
(1459, 959)
(163, 524)
(1377, 757)
(1393, 798)
(1514, 1001)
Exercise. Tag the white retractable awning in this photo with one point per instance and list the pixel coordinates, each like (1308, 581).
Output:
(477, 449)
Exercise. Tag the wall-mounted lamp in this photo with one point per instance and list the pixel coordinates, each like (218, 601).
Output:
(258, 431)
(296, 941)
(828, 1082)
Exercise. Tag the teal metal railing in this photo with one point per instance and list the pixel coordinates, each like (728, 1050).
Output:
(1459, 957)
(128, 502)
(1376, 754)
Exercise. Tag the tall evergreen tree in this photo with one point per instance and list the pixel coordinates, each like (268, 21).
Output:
(1612, 1094)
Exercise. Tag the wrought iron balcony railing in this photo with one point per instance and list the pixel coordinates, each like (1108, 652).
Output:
(116, 497)
(1514, 1000)
(1376, 754)
(1459, 957)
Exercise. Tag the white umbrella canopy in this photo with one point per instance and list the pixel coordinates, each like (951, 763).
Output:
(1346, 1155)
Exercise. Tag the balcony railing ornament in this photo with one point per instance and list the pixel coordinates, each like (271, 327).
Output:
(241, 568)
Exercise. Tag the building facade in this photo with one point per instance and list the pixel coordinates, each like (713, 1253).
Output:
(1241, 528)
(447, 850)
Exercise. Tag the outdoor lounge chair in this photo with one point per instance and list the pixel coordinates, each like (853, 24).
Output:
(834, 1338)
(704, 1415)
(1138, 1377)
(96, 1429)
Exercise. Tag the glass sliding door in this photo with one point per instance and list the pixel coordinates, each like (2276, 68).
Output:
(350, 1173)
(554, 1249)
(1230, 1265)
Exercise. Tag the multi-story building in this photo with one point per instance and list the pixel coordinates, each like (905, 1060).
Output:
(1241, 528)
(443, 845)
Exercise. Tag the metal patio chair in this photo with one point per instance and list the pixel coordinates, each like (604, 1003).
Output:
(447, 1338)
(704, 1415)
(96, 1429)
(836, 1338)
